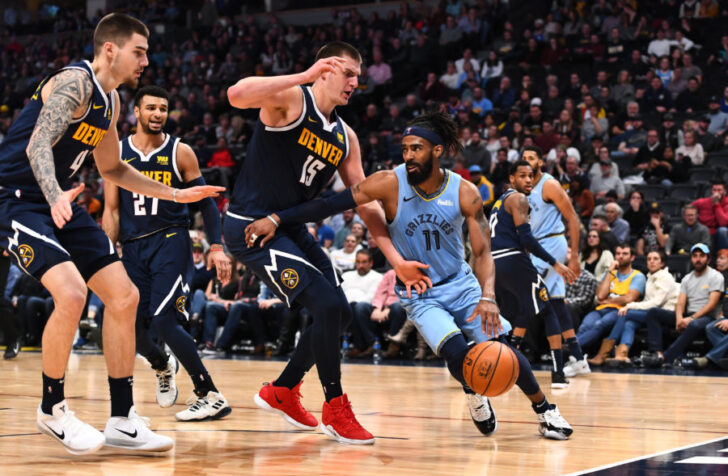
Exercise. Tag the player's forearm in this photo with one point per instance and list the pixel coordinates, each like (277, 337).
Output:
(110, 224)
(126, 176)
(251, 91)
(373, 217)
(40, 156)
(574, 228)
(315, 210)
(485, 272)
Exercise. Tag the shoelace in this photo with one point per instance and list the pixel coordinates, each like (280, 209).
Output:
(196, 403)
(554, 417)
(296, 394)
(482, 412)
(346, 413)
(70, 423)
(146, 421)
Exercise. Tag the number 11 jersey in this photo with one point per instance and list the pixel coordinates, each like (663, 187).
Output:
(140, 215)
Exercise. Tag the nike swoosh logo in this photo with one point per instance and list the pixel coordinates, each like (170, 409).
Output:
(131, 435)
(311, 119)
(99, 106)
(276, 397)
(129, 160)
(410, 198)
(170, 234)
(60, 435)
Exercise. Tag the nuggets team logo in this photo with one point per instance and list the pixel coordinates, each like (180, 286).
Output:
(163, 160)
(340, 136)
(26, 254)
(180, 304)
(543, 294)
(289, 278)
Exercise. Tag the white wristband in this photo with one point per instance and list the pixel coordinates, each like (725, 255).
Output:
(487, 299)
(273, 220)
(174, 195)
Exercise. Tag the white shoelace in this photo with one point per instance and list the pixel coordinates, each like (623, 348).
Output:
(553, 417)
(479, 408)
(196, 403)
(70, 423)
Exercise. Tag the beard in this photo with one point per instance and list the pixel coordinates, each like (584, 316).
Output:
(422, 174)
(699, 267)
(147, 130)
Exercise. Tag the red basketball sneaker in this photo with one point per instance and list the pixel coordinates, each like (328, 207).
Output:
(286, 402)
(338, 421)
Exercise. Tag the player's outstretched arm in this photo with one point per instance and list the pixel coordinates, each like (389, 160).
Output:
(67, 94)
(557, 195)
(112, 168)
(471, 205)
(189, 168)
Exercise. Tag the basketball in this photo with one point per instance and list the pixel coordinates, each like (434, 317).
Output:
(490, 368)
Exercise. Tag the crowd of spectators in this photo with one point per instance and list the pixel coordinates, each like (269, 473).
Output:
(628, 101)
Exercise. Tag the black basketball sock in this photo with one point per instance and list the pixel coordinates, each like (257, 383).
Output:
(52, 393)
(333, 390)
(557, 356)
(122, 398)
(516, 341)
(574, 348)
(542, 406)
(203, 383)
(291, 375)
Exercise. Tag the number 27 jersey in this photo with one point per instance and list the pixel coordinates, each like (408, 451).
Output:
(289, 165)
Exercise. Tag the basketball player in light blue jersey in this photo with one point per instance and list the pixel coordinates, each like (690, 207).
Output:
(426, 207)
(549, 207)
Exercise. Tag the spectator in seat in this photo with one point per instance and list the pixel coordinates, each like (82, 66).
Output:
(636, 214)
(692, 149)
(686, 234)
(344, 259)
(222, 162)
(579, 297)
(360, 287)
(607, 180)
(483, 185)
(697, 306)
(617, 224)
(713, 213)
(387, 313)
(717, 117)
(653, 237)
(581, 197)
(661, 292)
(595, 257)
(620, 285)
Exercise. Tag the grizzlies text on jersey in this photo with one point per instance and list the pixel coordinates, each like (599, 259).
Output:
(140, 215)
(81, 137)
(289, 165)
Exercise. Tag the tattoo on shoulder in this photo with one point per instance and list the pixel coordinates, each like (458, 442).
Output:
(71, 90)
(522, 203)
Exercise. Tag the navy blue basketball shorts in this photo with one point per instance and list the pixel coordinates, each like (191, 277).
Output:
(28, 233)
(160, 265)
(519, 289)
(286, 262)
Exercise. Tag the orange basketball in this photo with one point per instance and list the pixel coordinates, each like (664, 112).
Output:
(490, 368)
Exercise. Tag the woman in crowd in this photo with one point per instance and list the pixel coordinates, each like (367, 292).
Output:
(594, 255)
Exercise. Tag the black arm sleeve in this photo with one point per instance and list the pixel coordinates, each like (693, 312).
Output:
(210, 214)
(318, 209)
(531, 243)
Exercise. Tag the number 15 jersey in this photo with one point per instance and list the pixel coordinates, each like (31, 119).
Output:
(140, 215)
(288, 165)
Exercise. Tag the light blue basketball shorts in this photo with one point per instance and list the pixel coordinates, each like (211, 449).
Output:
(441, 312)
(557, 247)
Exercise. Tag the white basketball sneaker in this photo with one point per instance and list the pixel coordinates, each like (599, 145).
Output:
(212, 406)
(576, 367)
(552, 425)
(78, 437)
(133, 433)
(166, 385)
(482, 414)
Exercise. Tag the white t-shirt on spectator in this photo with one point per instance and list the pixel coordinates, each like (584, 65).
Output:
(358, 288)
(344, 261)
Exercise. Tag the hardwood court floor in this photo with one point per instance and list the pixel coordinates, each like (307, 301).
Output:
(418, 414)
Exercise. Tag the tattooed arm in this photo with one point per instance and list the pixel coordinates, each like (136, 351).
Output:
(471, 206)
(66, 95)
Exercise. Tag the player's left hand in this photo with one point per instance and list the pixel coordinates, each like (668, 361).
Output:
(222, 264)
(575, 266)
(489, 318)
(261, 229)
(197, 193)
(565, 272)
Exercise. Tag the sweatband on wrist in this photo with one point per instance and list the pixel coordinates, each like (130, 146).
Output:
(210, 214)
(418, 131)
(318, 209)
(531, 243)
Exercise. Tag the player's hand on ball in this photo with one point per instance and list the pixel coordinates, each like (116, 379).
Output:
(261, 229)
(61, 211)
(195, 194)
(489, 318)
(565, 272)
(411, 274)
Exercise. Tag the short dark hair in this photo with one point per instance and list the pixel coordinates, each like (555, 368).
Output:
(519, 163)
(663, 256)
(117, 28)
(717, 181)
(151, 90)
(625, 245)
(365, 251)
(338, 48)
(533, 148)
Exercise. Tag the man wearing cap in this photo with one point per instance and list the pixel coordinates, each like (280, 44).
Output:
(654, 236)
(717, 117)
(606, 180)
(483, 184)
(713, 213)
(631, 141)
(668, 133)
(697, 306)
(684, 235)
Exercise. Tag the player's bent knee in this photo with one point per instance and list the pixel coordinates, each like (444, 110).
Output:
(126, 298)
(70, 301)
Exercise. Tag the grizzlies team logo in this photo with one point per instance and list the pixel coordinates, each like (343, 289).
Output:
(289, 278)
(180, 304)
(543, 295)
(26, 254)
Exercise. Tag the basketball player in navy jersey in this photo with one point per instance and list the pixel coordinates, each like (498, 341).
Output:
(157, 252)
(550, 205)
(426, 207)
(521, 291)
(297, 146)
(72, 113)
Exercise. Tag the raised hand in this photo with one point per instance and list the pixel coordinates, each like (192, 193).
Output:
(331, 64)
(195, 194)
